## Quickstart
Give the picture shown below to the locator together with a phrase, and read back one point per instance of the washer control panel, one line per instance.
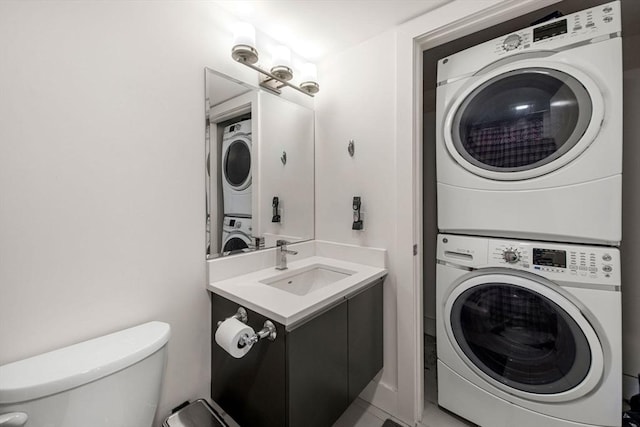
(556, 261)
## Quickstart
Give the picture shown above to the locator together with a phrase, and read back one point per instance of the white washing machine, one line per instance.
(529, 132)
(236, 235)
(529, 333)
(236, 169)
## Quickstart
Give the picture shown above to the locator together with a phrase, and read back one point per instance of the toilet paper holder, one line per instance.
(241, 315)
(268, 330)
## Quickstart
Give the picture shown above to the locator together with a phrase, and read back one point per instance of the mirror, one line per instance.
(259, 167)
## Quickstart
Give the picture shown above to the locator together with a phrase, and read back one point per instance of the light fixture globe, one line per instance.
(310, 87)
(309, 79)
(281, 58)
(282, 72)
(244, 53)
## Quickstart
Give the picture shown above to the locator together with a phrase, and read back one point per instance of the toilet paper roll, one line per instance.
(228, 337)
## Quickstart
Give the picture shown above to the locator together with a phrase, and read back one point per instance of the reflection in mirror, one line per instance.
(259, 168)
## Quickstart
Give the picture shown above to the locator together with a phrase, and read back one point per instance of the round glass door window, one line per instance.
(235, 245)
(521, 120)
(237, 164)
(520, 338)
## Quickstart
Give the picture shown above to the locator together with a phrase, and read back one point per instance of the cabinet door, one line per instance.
(365, 338)
(250, 389)
(317, 366)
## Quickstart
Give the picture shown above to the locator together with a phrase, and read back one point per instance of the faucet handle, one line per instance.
(281, 243)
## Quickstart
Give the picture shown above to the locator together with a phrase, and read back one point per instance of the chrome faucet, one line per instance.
(281, 254)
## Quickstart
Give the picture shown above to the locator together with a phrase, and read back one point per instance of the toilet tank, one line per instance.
(110, 381)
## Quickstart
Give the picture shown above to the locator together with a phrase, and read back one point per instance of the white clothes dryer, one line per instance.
(236, 235)
(529, 132)
(529, 333)
(236, 169)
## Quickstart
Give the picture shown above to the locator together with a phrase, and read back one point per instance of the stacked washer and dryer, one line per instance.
(236, 188)
(529, 169)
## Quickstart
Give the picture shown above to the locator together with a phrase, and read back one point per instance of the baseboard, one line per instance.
(381, 396)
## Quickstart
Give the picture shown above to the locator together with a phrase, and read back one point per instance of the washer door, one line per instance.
(236, 243)
(522, 121)
(236, 164)
(524, 337)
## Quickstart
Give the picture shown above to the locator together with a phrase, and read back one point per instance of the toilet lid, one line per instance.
(79, 364)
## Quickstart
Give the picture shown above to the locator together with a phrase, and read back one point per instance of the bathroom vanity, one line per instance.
(329, 343)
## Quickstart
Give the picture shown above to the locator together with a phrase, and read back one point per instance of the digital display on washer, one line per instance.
(550, 30)
(550, 257)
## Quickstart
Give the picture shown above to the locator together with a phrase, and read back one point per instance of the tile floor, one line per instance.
(362, 414)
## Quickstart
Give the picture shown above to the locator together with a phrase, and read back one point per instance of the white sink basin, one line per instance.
(305, 280)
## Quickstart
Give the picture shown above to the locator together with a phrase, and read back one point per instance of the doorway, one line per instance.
(430, 57)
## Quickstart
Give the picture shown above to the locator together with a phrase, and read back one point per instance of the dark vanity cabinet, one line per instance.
(310, 374)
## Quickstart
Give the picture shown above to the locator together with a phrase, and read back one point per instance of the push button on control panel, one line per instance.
(607, 268)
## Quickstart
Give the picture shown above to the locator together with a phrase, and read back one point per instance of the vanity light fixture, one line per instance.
(245, 52)
(244, 44)
(309, 78)
(282, 63)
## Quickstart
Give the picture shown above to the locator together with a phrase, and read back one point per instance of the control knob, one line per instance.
(511, 42)
(511, 256)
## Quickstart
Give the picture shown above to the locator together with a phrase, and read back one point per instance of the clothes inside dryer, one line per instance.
(236, 163)
(522, 120)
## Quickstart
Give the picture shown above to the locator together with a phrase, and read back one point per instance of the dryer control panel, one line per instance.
(580, 26)
(588, 26)
(556, 261)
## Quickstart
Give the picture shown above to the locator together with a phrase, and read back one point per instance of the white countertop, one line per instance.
(287, 308)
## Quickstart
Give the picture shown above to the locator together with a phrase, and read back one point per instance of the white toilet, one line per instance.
(110, 381)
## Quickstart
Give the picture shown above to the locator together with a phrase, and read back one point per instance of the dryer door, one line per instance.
(524, 337)
(523, 121)
(236, 164)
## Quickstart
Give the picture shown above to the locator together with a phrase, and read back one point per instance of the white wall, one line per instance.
(102, 178)
(357, 102)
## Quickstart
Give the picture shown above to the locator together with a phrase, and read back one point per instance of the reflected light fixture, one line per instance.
(244, 51)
